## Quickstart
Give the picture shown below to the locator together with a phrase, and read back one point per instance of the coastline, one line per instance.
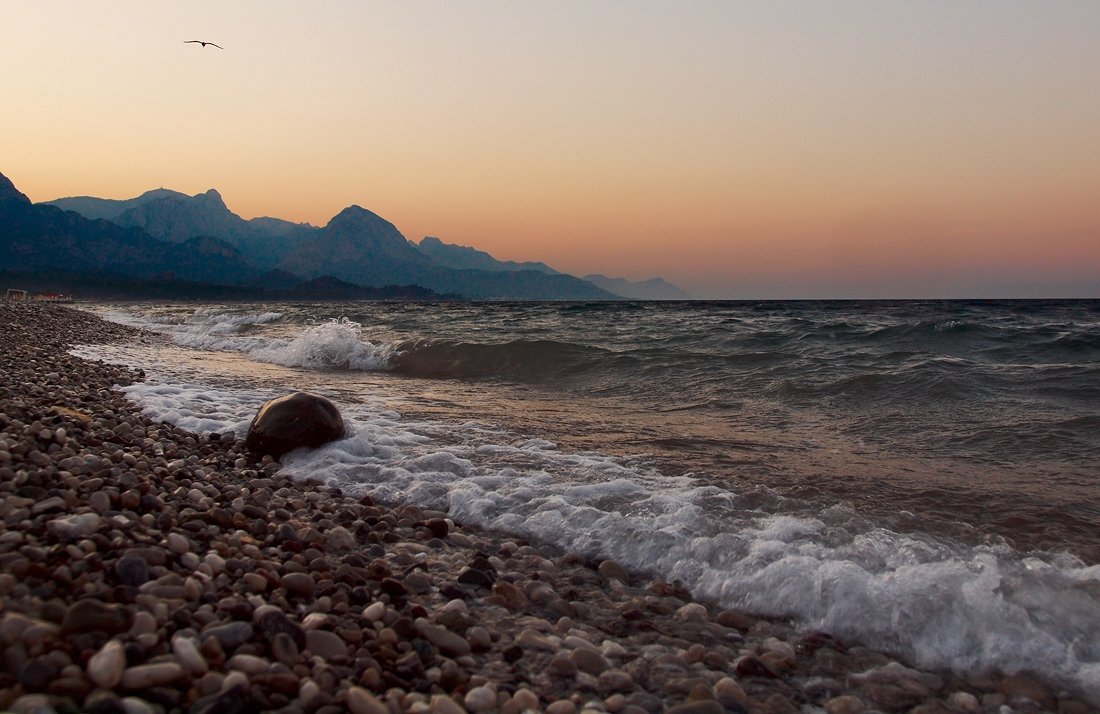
(225, 587)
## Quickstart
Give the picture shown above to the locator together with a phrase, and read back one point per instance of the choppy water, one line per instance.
(922, 476)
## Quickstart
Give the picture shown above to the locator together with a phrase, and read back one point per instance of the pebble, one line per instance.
(326, 645)
(105, 666)
(144, 676)
(588, 660)
(187, 652)
(481, 699)
(230, 635)
(299, 585)
(340, 538)
(360, 701)
(76, 526)
(693, 612)
(447, 641)
(248, 664)
(442, 704)
(90, 615)
(562, 706)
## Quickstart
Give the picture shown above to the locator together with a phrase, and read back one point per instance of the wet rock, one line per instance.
(294, 421)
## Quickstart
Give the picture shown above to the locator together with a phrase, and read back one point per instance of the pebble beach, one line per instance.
(146, 568)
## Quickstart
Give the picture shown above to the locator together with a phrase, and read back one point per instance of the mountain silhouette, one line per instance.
(176, 217)
(652, 289)
(361, 247)
(41, 237)
(356, 246)
(461, 257)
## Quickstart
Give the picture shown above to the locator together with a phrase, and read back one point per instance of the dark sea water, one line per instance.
(920, 476)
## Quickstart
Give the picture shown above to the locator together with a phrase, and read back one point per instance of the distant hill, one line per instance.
(361, 247)
(652, 289)
(177, 217)
(107, 208)
(357, 247)
(461, 257)
(42, 237)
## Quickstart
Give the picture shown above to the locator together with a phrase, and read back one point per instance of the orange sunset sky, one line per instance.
(738, 149)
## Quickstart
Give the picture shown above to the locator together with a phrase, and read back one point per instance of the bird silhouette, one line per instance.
(204, 44)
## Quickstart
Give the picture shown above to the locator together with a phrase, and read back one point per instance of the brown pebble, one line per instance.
(299, 585)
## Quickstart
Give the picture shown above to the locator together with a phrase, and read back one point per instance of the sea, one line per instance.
(922, 477)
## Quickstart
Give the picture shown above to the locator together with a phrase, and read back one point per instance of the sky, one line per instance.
(740, 149)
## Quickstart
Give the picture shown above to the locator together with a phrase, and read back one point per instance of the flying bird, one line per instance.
(204, 44)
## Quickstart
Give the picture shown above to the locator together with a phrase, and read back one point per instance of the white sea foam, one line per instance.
(334, 344)
(935, 602)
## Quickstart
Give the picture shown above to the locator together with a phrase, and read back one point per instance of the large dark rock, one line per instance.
(290, 422)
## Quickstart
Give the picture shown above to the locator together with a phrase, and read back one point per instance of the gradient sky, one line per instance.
(740, 149)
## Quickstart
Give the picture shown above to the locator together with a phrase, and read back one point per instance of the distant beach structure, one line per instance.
(17, 294)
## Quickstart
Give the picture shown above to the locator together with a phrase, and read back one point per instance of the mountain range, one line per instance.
(196, 239)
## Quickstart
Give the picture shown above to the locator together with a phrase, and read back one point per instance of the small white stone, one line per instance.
(964, 701)
(374, 611)
(692, 612)
(76, 526)
(340, 538)
(308, 689)
(189, 655)
(481, 699)
(178, 544)
(106, 666)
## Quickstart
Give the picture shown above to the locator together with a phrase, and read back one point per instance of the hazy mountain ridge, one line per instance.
(361, 247)
(462, 257)
(35, 237)
(652, 289)
(176, 217)
(356, 246)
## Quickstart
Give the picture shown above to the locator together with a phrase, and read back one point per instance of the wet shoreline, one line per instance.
(147, 568)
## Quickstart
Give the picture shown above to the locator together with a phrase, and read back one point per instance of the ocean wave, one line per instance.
(534, 360)
(938, 603)
(934, 601)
